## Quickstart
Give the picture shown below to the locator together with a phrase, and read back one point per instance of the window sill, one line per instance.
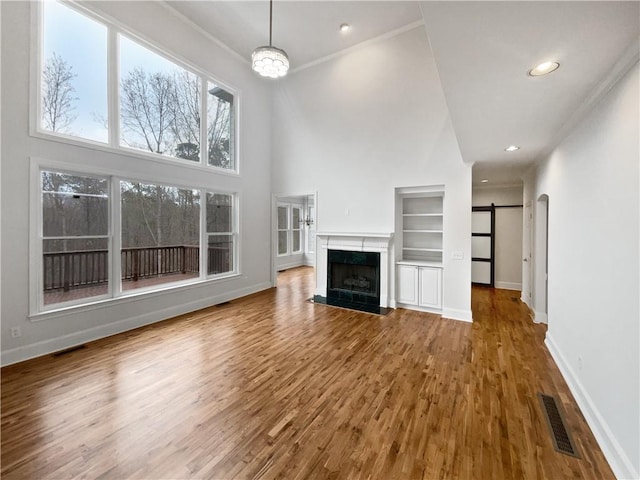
(130, 152)
(128, 297)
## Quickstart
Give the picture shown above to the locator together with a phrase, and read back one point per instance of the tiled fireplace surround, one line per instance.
(355, 242)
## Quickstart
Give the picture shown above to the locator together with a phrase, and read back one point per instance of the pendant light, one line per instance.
(270, 61)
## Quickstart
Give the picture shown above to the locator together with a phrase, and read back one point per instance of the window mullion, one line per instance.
(235, 228)
(204, 235)
(113, 93)
(204, 105)
(290, 230)
(115, 240)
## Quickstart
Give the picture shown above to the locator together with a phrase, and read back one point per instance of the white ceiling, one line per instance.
(483, 51)
(307, 30)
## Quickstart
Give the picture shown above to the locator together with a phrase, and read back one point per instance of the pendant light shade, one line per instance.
(270, 61)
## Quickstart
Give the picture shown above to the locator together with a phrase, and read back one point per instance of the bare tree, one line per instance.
(186, 114)
(219, 132)
(160, 112)
(57, 94)
(147, 113)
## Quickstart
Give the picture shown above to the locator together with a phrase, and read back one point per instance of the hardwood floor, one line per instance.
(272, 386)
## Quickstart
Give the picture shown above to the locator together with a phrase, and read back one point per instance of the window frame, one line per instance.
(204, 243)
(286, 229)
(41, 238)
(38, 310)
(114, 30)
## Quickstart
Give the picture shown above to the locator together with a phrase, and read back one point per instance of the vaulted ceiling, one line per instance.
(483, 51)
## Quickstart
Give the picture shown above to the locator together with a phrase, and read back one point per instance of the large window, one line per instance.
(158, 233)
(75, 236)
(162, 105)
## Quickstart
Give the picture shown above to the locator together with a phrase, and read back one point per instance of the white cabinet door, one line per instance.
(430, 283)
(407, 284)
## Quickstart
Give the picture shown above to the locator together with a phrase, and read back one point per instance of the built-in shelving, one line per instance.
(422, 227)
(419, 247)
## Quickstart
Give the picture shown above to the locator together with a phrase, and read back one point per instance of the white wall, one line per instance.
(253, 185)
(508, 232)
(356, 127)
(592, 182)
(500, 195)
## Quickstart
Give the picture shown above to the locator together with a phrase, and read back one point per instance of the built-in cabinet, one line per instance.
(419, 286)
(419, 234)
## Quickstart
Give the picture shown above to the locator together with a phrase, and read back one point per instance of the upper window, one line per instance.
(74, 74)
(220, 127)
(164, 108)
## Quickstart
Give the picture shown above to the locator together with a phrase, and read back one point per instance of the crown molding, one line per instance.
(358, 46)
(203, 32)
(628, 59)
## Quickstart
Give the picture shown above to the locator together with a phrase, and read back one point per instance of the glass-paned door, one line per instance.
(483, 245)
(283, 229)
(296, 231)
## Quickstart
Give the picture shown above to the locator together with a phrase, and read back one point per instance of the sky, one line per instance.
(82, 43)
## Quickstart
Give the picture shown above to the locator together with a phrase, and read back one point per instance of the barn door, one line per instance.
(483, 226)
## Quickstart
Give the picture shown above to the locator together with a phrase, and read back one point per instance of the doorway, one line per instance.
(293, 232)
(541, 286)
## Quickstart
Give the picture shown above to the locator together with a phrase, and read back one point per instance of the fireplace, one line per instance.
(352, 270)
(353, 279)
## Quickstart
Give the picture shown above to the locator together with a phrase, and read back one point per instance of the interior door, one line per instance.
(290, 242)
(483, 225)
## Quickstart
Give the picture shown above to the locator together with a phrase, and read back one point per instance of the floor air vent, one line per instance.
(561, 437)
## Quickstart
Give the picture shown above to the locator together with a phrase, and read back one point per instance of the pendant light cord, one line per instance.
(270, 19)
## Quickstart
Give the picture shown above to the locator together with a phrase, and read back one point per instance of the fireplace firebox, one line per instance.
(353, 280)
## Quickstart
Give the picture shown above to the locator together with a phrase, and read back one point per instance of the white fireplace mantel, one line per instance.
(355, 242)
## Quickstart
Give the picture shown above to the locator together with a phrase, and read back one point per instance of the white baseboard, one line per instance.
(45, 347)
(286, 266)
(508, 285)
(539, 317)
(417, 308)
(615, 455)
(455, 314)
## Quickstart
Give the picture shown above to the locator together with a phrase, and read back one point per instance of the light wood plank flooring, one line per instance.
(272, 386)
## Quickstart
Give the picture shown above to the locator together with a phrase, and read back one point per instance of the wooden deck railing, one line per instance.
(65, 270)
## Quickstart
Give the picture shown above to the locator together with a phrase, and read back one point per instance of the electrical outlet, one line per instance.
(16, 332)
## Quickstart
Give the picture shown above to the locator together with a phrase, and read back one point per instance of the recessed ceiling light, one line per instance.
(345, 27)
(484, 180)
(544, 68)
(512, 148)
